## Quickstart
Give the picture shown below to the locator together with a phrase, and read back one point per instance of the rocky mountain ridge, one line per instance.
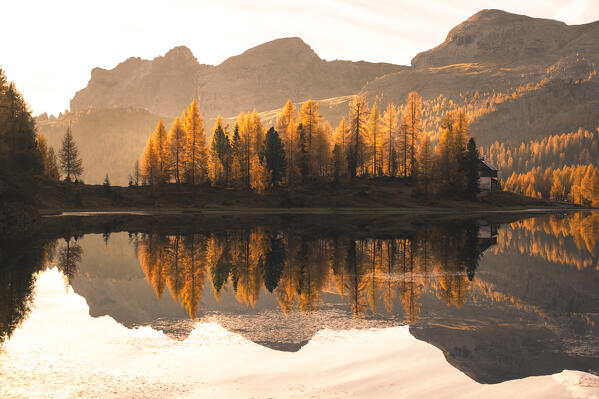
(517, 77)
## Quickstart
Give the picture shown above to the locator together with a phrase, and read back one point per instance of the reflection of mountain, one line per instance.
(510, 315)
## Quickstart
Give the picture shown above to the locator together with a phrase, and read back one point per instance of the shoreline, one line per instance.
(47, 213)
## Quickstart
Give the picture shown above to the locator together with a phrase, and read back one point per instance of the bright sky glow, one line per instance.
(50, 47)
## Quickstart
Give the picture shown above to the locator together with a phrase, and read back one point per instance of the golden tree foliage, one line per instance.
(298, 269)
(176, 144)
(374, 132)
(196, 154)
(287, 128)
(367, 145)
(389, 140)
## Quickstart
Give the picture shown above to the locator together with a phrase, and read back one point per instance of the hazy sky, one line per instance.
(49, 47)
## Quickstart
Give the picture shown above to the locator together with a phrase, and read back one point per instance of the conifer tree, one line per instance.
(237, 152)
(311, 119)
(244, 150)
(472, 166)
(257, 132)
(160, 141)
(322, 149)
(176, 145)
(304, 157)
(412, 119)
(261, 177)
(149, 164)
(70, 162)
(374, 133)
(49, 158)
(195, 145)
(425, 165)
(220, 155)
(358, 114)
(136, 173)
(18, 145)
(287, 129)
(389, 132)
(274, 155)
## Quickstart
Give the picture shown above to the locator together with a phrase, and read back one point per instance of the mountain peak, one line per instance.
(498, 37)
(287, 49)
(180, 52)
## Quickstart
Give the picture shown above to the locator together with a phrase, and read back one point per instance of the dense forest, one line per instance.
(561, 167)
(303, 147)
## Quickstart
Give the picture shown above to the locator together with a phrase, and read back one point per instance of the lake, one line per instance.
(304, 306)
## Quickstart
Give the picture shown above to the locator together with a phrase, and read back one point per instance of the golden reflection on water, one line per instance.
(62, 352)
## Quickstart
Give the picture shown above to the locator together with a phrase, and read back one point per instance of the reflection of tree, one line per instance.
(568, 240)
(274, 262)
(441, 259)
(69, 258)
(18, 266)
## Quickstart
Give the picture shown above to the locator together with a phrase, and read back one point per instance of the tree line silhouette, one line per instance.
(302, 147)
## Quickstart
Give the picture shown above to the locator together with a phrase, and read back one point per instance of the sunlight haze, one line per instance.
(79, 36)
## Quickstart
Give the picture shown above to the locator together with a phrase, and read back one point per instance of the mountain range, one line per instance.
(517, 77)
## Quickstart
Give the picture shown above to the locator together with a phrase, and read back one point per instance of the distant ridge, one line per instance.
(262, 77)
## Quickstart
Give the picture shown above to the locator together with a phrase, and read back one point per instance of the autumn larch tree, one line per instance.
(244, 150)
(374, 133)
(425, 164)
(195, 145)
(162, 151)
(358, 114)
(311, 119)
(389, 133)
(149, 164)
(70, 162)
(176, 144)
(412, 120)
(286, 126)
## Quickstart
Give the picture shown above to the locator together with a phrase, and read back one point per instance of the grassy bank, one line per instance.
(366, 195)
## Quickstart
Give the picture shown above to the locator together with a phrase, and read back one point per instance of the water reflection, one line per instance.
(502, 301)
(297, 268)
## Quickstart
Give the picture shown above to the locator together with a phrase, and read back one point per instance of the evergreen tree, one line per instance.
(274, 262)
(274, 154)
(472, 166)
(220, 152)
(18, 145)
(136, 174)
(304, 160)
(70, 162)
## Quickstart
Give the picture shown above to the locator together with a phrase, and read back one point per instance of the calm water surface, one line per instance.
(437, 308)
